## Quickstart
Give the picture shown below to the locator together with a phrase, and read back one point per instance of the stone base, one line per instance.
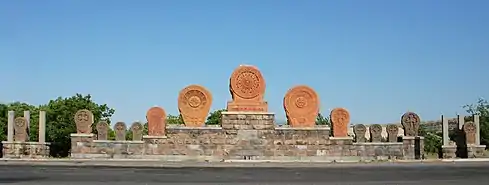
(81, 143)
(25, 150)
(247, 106)
(410, 147)
(449, 151)
(475, 151)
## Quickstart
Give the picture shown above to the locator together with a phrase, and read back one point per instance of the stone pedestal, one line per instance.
(25, 149)
(81, 144)
(413, 147)
(475, 151)
(449, 151)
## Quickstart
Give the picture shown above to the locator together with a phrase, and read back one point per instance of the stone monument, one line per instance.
(120, 131)
(360, 130)
(410, 122)
(340, 119)
(301, 104)
(392, 132)
(470, 131)
(194, 103)
(375, 133)
(84, 121)
(20, 129)
(247, 87)
(102, 130)
(18, 144)
(137, 131)
(156, 117)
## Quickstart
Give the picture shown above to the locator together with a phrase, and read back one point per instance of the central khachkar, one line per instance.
(247, 87)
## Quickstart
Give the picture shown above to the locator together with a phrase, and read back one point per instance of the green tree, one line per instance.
(432, 141)
(3, 122)
(321, 120)
(481, 108)
(171, 119)
(60, 120)
(214, 117)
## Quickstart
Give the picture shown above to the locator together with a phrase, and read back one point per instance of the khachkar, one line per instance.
(18, 144)
(340, 120)
(247, 88)
(414, 144)
(83, 120)
(467, 141)
(194, 104)
(301, 104)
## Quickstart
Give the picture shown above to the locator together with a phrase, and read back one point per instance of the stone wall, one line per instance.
(25, 149)
(242, 136)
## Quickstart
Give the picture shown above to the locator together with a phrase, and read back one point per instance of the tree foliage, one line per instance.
(481, 108)
(214, 117)
(321, 120)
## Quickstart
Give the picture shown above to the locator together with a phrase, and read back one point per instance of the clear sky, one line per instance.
(377, 58)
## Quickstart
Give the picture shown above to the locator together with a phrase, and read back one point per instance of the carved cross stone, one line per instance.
(470, 132)
(359, 130)
(392, 131)
(137, 131)
(120, 131)
(102, 130)
(375, 133)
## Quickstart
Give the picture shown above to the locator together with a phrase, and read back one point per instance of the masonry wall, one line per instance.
(249, 136)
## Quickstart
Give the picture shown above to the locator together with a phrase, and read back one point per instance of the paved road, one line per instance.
(395, 174)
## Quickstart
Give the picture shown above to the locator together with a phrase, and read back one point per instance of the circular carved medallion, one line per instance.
(247, 82)
(410, 118)
(20, 125)
(301, 100)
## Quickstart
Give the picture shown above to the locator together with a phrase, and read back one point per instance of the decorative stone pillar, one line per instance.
(448, 148)
(472, 135)
(10, 127)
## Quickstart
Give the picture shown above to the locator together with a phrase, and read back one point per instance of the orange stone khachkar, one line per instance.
(340, 118)
(301, 104)
(194, 103)
(156, 117)
(247, 88)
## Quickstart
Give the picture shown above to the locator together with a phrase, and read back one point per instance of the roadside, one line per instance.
(141, 163)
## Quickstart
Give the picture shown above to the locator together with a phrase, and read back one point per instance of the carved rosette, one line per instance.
(301, 104)
(247, 83)
(470, 132)
(84, 121)
(340, 118)
(359, 130)
(410, 123)
(20, 129)
(120, 131)
(194, 104)
(102, 130)
(156, 117)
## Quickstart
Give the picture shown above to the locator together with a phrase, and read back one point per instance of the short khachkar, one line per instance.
(340, 119)
(194, 104)
(102, 130)
(137, 131)
(84, 121)
(247, 87)
(120, 131)
(470, 130)
(156, 117)
(375, 133)
(301, 104)
(359, 130)
(20, 129)
(392, 132)
(410, 122)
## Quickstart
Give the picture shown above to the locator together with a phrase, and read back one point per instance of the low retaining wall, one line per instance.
(249, 136)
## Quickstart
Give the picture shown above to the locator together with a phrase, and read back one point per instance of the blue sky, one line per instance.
(377, 58)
